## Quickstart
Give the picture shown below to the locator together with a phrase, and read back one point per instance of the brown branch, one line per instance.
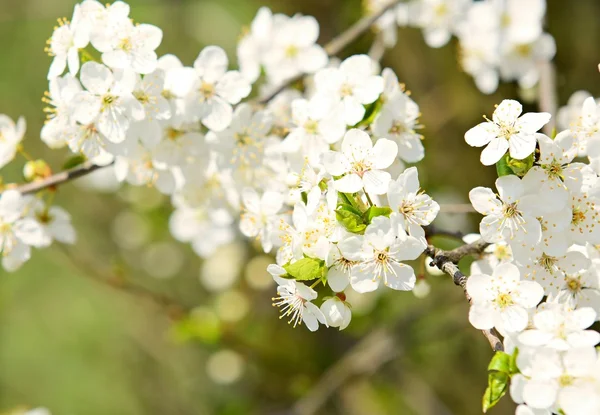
(84, 267)
(447, 261)
(57, 179)
(332, 48)
(337, 44)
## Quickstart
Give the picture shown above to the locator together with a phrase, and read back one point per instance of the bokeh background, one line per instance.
(78, 346)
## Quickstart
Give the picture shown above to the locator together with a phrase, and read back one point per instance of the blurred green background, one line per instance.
(81, 347)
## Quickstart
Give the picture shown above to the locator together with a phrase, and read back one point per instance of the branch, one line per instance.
(57, 179)
(337, 44)
(332, 48)
(174, 309)
(447, 260)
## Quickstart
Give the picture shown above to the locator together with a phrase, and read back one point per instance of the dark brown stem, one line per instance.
(337, 44)
(447, 261)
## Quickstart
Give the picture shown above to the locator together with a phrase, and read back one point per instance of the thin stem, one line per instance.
(447, 260)
(337, 44)
(369, 199)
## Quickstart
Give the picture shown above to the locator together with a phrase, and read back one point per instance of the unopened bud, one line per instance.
(36, 170)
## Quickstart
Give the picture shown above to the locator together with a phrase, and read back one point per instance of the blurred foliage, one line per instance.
(80, 347)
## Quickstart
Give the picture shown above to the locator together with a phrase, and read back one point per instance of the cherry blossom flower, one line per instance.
(337, 312)
(11, 135)
(294, 300)
(353, 84)
(412, 207)
(382, 250)
(507, 131)
(502, 299)
(361, 163)
(261, 217)
(512, 216)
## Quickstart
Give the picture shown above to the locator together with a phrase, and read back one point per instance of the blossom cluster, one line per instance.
(498, 39)
(538, 283)
(308, 174)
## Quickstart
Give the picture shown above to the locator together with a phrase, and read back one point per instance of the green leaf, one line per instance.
(306, 269)
(520, 167)
(512, 367)
(497, 387)
(502, 167)
(74, 161)
(371, 111)
(500, 362)
(508, 165)
(349, 208)
(350, 220)
(375, 211)
(348, 199)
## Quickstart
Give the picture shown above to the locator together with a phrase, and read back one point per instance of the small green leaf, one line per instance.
(375, 211)
(520, 167)
(497, 387)
(349, 208)
(502, 167)
(348, 199)
(351, 221)
(512, 367)
(74, 161)
(306, 269)
(500, 362)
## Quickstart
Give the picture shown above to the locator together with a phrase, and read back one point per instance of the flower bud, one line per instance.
(337, 313)
(36, 170)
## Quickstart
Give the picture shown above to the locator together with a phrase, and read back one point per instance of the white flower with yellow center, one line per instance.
(294, 301)
(210, 88)
(353, 84)
(361, 163)
(59, 113)
(511, 217)
(67, 39)
(502, 299)
(108, 101)
(380, 253)
(11, 135)
(412, 208)
(507, 131)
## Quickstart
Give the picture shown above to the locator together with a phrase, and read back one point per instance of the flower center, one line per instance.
(291, 51)
(502, 252)
(554, 170)
(142, 97)
(360, 167)
(346, 90)
(125, 44)
(565, 380)
(523, 50)
(107, 101)
(398, 128)
(243, 139)
(574, 284)
(509, 210)
(311, 127)
(547, 262)
(207, 90)
(504, 300)
(578, 217)
(173, 134)
(290, 304)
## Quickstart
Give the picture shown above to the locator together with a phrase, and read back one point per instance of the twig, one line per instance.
(332, 48)
(174, 309)
(57, 179)
(547, 94)
(447, 260)
(337, 44)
